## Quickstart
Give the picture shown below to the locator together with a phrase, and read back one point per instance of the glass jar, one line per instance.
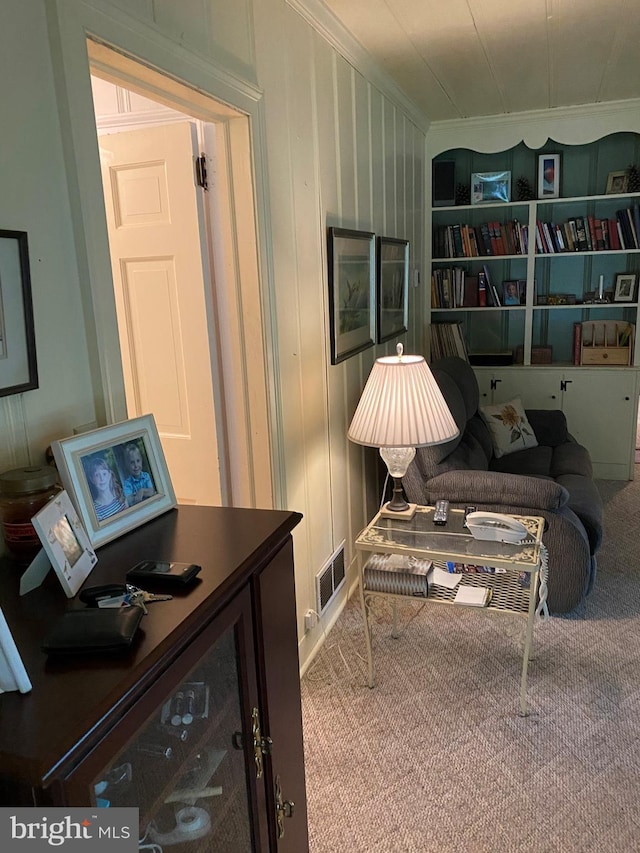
(23, 491)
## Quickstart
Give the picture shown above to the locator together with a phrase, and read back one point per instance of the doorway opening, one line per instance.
(177, 253)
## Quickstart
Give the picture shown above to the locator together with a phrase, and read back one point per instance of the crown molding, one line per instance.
(322, 19)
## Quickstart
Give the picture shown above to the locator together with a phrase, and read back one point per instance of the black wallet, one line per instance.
(107, 629)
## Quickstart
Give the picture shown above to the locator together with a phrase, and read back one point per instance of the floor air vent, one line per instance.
(330, 579)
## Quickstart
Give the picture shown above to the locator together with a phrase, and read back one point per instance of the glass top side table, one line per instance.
(419, 537)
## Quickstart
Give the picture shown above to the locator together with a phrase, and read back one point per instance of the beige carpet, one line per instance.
(436, 757)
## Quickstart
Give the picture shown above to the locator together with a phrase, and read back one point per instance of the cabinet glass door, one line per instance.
(183, 754)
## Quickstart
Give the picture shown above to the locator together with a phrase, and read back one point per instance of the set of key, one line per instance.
(120, 595)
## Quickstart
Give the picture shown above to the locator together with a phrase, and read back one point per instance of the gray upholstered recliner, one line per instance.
(553, 480)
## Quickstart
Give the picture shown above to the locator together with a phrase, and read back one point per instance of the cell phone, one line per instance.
(163, 571)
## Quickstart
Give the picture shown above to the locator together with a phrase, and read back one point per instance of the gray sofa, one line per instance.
(553, 480)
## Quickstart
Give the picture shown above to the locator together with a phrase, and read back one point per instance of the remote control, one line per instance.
(441, 512)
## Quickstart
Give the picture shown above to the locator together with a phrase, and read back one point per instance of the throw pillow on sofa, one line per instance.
(509, 427)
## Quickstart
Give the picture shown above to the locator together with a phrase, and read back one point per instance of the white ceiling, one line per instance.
(461, 58)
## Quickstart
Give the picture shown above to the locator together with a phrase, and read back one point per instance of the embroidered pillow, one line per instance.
(509, 427)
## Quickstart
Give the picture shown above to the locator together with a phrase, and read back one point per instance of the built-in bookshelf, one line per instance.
(517, 276)
(544, 291)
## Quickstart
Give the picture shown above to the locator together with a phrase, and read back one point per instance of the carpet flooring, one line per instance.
(436, 757)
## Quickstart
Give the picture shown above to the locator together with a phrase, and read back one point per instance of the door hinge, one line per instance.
(201, 172)
(261, 745)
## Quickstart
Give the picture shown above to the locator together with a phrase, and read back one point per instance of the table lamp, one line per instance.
(401, 408)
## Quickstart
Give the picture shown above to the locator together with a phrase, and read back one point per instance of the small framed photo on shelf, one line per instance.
(513, 292)
(617, 182)
(352, 285)
(625, 287)
(393, 287)
(549, 176)
(490, 187)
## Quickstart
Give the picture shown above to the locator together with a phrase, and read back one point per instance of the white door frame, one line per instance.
(246, 348)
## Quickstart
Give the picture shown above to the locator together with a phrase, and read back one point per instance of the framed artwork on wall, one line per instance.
(18, 366)
(549, 176)
(116, 477)
(393, 288)
(352, 316)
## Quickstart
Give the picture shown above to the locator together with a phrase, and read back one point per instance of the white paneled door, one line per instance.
(157, 246)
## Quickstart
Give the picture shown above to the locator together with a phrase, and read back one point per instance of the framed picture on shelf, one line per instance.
(352, 316)
(549, 176)
(490, 187)
(625, 287)
(617, 182)
(18, 367)
(514, 292)
(116, 476)
(393, 288)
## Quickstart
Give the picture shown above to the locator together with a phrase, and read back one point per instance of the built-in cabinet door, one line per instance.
(279, 667)
(601, 410)
(183, 753)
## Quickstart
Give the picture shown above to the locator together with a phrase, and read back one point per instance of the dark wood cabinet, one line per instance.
(199, 725)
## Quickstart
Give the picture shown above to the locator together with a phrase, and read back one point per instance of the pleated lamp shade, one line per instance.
(402, 406)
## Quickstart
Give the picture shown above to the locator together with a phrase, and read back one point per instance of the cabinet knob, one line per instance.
(553, 396)
(627, 398)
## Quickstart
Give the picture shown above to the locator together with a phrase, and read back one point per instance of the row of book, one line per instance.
(454, 287)
(446, 340)
(490, 238)
(591, 234)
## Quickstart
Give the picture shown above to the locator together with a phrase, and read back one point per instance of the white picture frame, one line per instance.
(98, 460)
(549, 175)
(65, 542)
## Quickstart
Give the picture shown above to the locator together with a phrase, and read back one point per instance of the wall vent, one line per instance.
(329, 579)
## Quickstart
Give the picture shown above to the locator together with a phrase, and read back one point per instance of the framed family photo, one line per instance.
(352, 316)
(116, 477)
(18, 366)
(393, 288)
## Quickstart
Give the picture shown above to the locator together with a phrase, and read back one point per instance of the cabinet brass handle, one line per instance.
(284, 808)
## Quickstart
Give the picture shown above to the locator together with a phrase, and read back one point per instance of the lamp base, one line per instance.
(404, 514)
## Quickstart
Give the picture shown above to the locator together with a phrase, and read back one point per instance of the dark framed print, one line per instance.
(351, 261)
(18, 366)
(116, 477)
(393, 287)
(549, 176)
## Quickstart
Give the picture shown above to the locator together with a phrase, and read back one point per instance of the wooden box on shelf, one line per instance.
(607, 342)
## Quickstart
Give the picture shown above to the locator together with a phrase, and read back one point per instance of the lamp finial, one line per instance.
(399, 350)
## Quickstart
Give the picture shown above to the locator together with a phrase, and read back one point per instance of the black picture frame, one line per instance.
(392, 299)
(18, 362)
(352, 315)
